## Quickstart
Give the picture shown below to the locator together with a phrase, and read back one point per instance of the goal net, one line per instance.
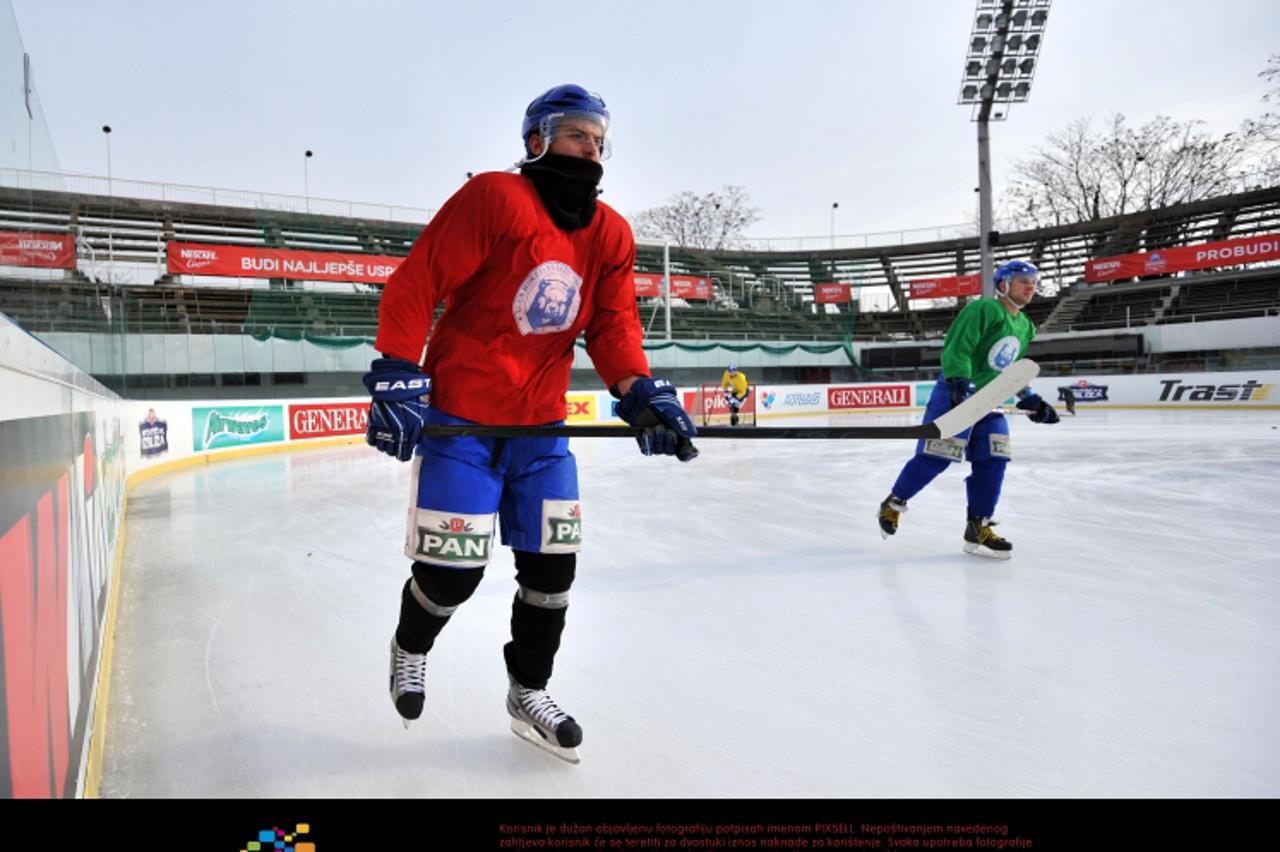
(711, 409)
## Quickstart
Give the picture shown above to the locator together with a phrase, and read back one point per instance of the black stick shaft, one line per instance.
(926, 430)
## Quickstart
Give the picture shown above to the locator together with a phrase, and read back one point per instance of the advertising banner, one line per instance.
(581, 408)
(832, 293)
(1184, 258)
(687, 287)
(153, 435)
(253, 262)
(940, 288)
(328, 419)
(844, 398)
(792, 399)
(713, 403)
(32, 248)
(236, 426)
(59, 513)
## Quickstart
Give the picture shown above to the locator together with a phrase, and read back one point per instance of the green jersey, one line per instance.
(983, 340)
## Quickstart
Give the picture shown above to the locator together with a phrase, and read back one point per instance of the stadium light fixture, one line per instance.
(306, 178)
(998, 69)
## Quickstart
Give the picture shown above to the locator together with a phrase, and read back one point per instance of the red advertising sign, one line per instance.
(252, 262)
(1184, 258)
(941, 288)
(687, 287)
(31, 248)
(832, 293)
(323, 420)
(861, 396)
(713, 403)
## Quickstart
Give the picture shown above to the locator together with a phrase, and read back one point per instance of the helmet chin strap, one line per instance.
(1007, 293)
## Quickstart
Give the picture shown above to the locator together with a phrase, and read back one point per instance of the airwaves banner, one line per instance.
(29, 248)
(1184, 258)
(687, 287)
(251, 262)
(941, 288)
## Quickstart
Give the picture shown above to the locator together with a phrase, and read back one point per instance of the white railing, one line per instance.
(189, 194)
(856, 241)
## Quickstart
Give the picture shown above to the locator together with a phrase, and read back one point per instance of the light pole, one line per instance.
(106, 133)
(111, 260)
(306, 179)
(834, 205)
(999, 67)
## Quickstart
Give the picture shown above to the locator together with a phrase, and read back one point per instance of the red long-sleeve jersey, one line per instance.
(518, 291)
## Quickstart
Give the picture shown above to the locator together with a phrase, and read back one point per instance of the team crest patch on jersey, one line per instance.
(951, 449)
(1004, 352)
(548, 299)
(448, 538)
(561, 526)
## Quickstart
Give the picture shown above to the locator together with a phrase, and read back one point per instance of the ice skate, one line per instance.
(408, 682)
(890, 510)
(981, 540)
(536, 718)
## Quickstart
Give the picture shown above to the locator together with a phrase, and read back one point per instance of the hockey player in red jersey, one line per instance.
(524, 264)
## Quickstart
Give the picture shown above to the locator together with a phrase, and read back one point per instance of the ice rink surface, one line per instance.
(738, 627)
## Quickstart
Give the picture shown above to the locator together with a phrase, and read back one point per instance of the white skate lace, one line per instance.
(538, 705)
(411, 672)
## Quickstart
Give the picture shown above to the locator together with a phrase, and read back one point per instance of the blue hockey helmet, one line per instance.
(733, 368)
(1011, 269)
(559, 102)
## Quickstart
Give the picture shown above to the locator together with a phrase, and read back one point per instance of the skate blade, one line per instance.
(979, 550)
(525, 731)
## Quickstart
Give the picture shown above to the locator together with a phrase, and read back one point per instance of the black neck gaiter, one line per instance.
(567, 187)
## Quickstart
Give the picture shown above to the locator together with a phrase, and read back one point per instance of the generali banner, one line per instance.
(1184, 258)
(868, 396)
(832, 293)
(31, 248)
(327, 419)
(941, 288)
(687, 287)
(252, 262)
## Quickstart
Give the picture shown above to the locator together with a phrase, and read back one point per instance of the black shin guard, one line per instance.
(538, 615)
(429, 598)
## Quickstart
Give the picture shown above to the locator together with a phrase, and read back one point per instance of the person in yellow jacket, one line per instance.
(734, 385)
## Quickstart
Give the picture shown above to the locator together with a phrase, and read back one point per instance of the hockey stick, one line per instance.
(1015, 377)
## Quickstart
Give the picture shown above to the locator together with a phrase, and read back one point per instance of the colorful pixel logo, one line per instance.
(275, 840)
(768, 399)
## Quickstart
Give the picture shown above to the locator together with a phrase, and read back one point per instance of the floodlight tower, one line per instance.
(1004, 50)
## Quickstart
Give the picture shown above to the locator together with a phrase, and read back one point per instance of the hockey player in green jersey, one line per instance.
(986, 337)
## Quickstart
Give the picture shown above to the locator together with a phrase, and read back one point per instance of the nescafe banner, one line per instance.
(1184, 258)
(252, 262)
(31, 248)
(941, 288)
(687, 287)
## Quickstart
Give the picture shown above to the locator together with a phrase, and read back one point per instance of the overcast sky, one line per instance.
(802, 103)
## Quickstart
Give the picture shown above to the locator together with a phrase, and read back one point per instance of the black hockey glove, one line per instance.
(960, 390)
(1041, 411)
(652, 405)
(399, 407)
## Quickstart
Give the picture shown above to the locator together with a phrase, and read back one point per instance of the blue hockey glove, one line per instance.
(397, 412)
(960, 390)
(652, 405)
(1041, 411)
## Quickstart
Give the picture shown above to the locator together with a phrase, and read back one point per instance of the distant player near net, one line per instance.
(525, 263)
(986, 336)
(734, 384)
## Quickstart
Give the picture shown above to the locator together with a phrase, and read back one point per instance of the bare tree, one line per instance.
(712, 221)
(1080, 175)
(1268, 127)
